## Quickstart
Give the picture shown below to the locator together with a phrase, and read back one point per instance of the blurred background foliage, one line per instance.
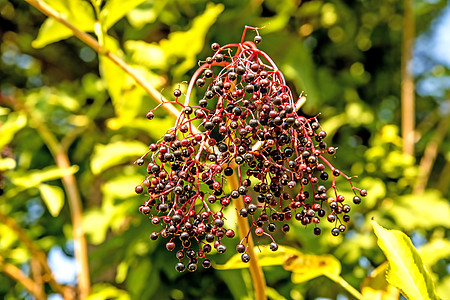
(344, 55)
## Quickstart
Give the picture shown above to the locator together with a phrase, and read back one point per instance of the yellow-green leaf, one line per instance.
(114, 10)
(7, 164)
(14, 123)
(53, 197)
(375, 285)
(435, 250)
(35, 177)
(410, 214)
(305, 267)
(187, 44)
(102, 291)
(405, 270)
(150, 55)
(79, 13)
(106, 156)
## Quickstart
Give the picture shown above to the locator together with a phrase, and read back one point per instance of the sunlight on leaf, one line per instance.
(187, 44)
(103, 291)
(302, 266)
(114, 10)
(53, 197)
(9, 237)
(127, 96)
(305, 267)
(405, 270)
(34, 177)
(79, 13)
(409, 212)
(120, 186)
(122, 271)
(151, 55)
(273, 294)
(146, 13)
(375, 285)
(106, 156)
(14, 123)
(95, 225)
(7, 164)
(434, 251)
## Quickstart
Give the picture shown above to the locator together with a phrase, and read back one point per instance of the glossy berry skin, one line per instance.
(245, 257)
(180, 267)
(177, 93)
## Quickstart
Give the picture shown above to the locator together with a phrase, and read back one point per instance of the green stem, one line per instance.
(343, 283)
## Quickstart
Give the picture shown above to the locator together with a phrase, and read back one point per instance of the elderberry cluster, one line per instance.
(249, 127)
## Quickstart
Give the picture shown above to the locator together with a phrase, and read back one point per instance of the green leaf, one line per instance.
(273, 294)
(434, 251)
(119, 187)
(95, 225)
(146, 13)
(122, 271)
(409, 213)
(187, 44)
(114, 10)
(51, 31)
(150, 55)
(405, 270)
(77, 12)
(126, 95)
(138, 278)
(14, 123)
(53, 197)
(106, 156)
(36, 177)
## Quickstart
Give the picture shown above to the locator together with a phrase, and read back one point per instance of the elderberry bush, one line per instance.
(249, 127)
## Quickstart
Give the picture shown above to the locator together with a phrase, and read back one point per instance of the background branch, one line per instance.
(73, 196)
(39, 256)
(407, 87)
(429, 156)
(19, 276)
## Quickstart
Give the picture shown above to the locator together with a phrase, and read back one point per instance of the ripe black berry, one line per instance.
(245, 257)
(221, 249)
(180, 267)
(206, 263)
(192, 267)
(356, 200)
(335, 231)
(177, 93)
(273, 246)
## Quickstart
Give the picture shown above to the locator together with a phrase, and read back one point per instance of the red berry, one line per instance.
(259, 231)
